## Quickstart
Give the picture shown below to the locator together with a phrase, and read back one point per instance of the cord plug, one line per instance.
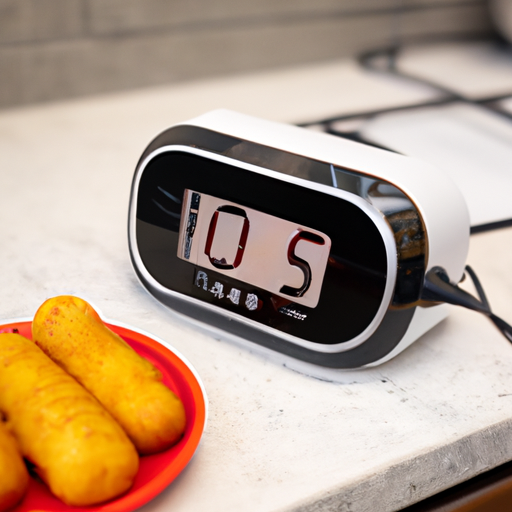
(438, 288)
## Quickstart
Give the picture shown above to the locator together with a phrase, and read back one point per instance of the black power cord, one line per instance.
(438, 288)
(385, 60)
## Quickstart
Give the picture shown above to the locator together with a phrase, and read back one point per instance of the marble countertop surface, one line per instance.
(276, 440)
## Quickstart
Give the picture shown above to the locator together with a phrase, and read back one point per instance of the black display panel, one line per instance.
(355, 274)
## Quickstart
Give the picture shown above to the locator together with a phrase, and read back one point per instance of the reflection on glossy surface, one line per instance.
(406, 224)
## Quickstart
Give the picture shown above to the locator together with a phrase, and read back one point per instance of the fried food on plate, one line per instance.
(14, 474)
(78, 449)
(71, 333)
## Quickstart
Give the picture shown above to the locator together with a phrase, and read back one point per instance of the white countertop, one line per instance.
(276, 440)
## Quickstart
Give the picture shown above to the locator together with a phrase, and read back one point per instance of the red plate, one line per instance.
(157, 471)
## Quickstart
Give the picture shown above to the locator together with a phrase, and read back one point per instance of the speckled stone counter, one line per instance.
(276, 440)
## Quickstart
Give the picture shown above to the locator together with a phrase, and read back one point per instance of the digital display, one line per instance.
(274, 253)
(279, 256)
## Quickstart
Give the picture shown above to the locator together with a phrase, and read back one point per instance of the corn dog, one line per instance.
(14, 474)
(78, 449)
(71, 333)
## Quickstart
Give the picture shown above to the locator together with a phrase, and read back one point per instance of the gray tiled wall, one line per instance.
(51, 49)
